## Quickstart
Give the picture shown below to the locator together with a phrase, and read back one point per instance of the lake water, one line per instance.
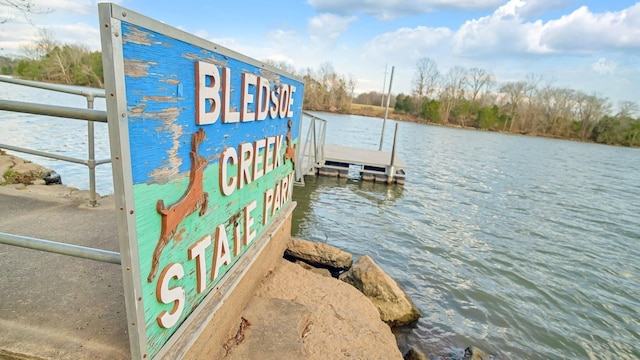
(525, 247)
(59, 136)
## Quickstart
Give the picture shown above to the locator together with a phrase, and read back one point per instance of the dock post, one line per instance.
(386, 110)
(392, 168)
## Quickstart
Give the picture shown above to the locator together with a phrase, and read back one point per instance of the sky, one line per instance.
(587, 45)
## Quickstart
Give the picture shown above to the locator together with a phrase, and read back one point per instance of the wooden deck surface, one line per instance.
(361, 156)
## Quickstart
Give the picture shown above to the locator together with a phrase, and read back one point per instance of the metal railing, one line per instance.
(312, 154)
(87, 114)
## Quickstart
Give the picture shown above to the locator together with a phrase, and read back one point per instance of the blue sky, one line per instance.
(588, 45)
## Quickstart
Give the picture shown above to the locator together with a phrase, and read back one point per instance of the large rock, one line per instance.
(395, 307)
(415, 354)
(270, 327)
(14, 170)
(319, 255)
(473, 353)
(297, 314)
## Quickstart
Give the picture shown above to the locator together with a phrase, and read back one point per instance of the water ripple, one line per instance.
(518, 245)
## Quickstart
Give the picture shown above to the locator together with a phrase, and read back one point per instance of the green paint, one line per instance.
(221, 209)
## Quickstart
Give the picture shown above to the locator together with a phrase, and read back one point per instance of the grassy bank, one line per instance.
(378, 111)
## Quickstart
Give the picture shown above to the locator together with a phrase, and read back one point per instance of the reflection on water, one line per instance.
(362, 195)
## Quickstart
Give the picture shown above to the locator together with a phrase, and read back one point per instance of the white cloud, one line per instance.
(410, 42)
(604, 66)
(584, 31)
(79, 34)
(533, 8)
(280, 36)
(499, 34)
(506, 32)
(325, 29)
(389, 9)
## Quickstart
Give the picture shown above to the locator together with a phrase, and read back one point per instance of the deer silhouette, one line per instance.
(290, 152)
(194, 198)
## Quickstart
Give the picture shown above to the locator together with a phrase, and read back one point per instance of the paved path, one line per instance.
(56, 306)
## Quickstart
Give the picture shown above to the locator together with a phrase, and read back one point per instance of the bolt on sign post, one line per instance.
(203, 146)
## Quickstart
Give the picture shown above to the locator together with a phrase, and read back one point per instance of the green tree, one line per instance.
(431, 111)
(489, 118)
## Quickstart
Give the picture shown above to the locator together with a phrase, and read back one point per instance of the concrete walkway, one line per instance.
(55, 306)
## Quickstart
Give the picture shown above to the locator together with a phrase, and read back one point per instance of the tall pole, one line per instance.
(386, 110)
(383, 84)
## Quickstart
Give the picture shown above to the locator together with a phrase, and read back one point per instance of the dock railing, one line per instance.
(89, 114)
(312, 153)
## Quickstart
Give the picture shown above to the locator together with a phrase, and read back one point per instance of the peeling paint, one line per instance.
(170, 171)
(137, 36)
(137, 68)
(211, 59)
(160, 98)
(179, 235)
(137, 110)
(270, 75)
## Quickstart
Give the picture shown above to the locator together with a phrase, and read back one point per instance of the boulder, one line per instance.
(14, 170)
(473, 353)
(393, 304)
(415, 354)
(332, 320)
(315, 270)
(52, 177)
(270, 327)
(319, 255)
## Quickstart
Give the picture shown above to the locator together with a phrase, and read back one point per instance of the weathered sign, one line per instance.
(203, 142)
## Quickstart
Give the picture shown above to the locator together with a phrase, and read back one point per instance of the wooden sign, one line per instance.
(203, 142)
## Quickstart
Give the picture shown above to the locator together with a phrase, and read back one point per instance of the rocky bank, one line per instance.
(15, 170)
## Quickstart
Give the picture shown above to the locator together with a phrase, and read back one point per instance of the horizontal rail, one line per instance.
(54, 110)
(54, 87)
(43, 154)
(103, 161)
(61, 248)
(52, 156)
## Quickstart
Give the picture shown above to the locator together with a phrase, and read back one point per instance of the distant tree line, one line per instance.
(47, 60)
(472, 98)
(325, 90)
(459, 97)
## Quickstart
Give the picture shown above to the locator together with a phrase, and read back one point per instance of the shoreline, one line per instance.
(378, 112)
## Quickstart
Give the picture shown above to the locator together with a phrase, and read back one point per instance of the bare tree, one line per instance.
(43, 46)
(479, 80)
(514, 93)
(454, 83)
(529, 119)
(25, 7)
(282, 65)
(589, 110)
(628, 109)
(351, 88)
(426, 77)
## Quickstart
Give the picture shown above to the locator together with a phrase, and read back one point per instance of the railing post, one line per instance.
(312, 125)
(392, 167)
(91, 162)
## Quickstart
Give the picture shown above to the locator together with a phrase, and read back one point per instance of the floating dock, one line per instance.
(368, 165)
(317, 158)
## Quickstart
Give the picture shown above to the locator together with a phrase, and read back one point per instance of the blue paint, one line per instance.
(170, 60)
